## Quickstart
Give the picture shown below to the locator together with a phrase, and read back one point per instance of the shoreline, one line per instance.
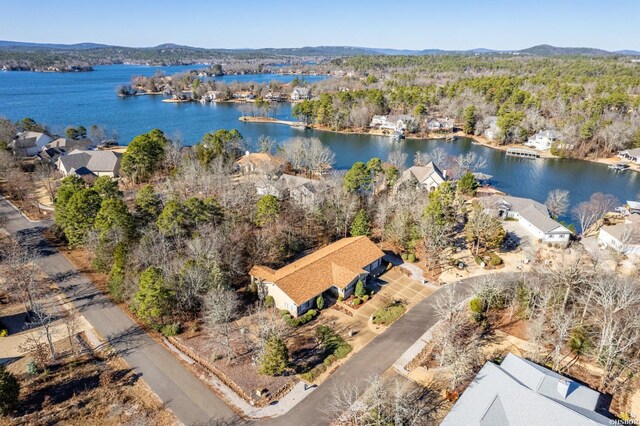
(477, 140)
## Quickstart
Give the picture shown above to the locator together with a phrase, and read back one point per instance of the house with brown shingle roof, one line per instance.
(333, 269)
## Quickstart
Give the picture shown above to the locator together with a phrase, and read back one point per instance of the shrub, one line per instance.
(477, 305)
(365, 297)
(329, 360)
(356, 302)
(169, 330)
(340, 298)
(411, 257)
(9, 392)
(269, 302)
(342, 350)
(359, 292)
(302, 319)
(320, 302)
(32, 367)
(387, 315)
(313, 374)
(495, 260)
(478, 260)
(404, 256)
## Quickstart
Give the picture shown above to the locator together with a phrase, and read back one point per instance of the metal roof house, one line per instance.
(519, 392)
(534, 216)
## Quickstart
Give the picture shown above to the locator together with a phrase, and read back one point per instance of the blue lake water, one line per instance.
(61, 99)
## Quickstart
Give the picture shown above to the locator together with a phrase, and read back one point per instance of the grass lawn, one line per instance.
(387, 315)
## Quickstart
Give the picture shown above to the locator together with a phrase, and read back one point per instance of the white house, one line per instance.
(395, 123)
(519, 392)
(82, 163)
(334, 269)
(29, 144)
(623, 237)
(632, 155)
(533, 215)
(300, 93)
(428, 176)
(441, 125)
(542, 140)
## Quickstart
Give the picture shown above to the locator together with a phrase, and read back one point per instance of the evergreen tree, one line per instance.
(154, 297)
(469, 117)
(268, 209)
(360, 224)
(68, 187)
(79, 215)
(143, 155)
(357, 178)
(106, 187)
(359, 291)
(467, 184)
(117, 273)
(114, 216)
(9, 392)
(148, 205)
(275, 357)
(174, 220)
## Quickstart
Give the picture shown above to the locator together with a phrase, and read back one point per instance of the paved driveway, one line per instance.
(189, 399)
(373, 360)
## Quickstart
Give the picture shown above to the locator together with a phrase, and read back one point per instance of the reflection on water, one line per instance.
(61, 99)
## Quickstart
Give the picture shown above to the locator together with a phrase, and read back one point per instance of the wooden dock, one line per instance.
(522, 153)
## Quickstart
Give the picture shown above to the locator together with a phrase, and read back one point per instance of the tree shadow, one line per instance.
(127, 341)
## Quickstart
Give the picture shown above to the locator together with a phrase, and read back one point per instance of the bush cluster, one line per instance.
(302, 319)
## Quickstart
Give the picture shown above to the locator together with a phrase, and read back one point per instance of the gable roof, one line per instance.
(532, 211)
(422, 173)
(70, 144)
(519, 392)
(337, 264)
(262, 161)
(96, 161)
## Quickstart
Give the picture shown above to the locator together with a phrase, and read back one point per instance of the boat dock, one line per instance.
(522, 153)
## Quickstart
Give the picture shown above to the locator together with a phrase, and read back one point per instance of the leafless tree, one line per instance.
(43, 318)
(308, 155)
(221, 308)
(589, 212)
(557, 202)
(397, 158)
(71, 319)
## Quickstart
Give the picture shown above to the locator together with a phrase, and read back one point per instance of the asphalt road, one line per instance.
(373, 360)
(189, 399)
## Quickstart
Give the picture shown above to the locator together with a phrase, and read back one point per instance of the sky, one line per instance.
(400, 24)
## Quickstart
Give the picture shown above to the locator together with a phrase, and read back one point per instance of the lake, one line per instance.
(61, 99)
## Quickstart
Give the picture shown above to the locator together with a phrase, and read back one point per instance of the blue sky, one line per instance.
(408, 24)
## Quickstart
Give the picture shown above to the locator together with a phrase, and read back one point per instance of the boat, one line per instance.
(396, 136)
(300, 125)
(619, 167)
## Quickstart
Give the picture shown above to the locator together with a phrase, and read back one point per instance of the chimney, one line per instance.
(563, 387)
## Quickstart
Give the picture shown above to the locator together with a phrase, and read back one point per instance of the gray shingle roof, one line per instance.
(96, 161)
(519, 392)
(422, 173)
(532, 211)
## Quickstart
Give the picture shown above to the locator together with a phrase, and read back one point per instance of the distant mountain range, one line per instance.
(540, 50)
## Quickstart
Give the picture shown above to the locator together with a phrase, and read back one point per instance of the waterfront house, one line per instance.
(395, 123)
(68, 145)
(275, 97)
(632, 155)
(212, 96)
(518, 392)
(543, 140)
(244, 95)
(28, 144)
(332, 270)
(260, 163)
(441, 125)
(622, 237)
(532, 215)
(98, 163)
(300, 93)
(428, 177)
(492, 131)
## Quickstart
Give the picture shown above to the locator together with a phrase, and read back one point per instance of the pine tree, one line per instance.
(9, 392)
(359, 292)
(153, 299)
(360, 224)
(275, 357)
